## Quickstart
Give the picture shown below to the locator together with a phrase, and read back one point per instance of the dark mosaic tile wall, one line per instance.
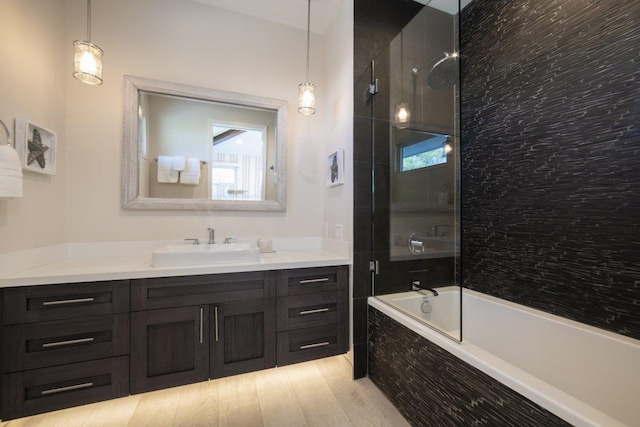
(430, 387)
(551, 157)
(376, 23)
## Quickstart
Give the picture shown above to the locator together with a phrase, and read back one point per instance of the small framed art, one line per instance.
(335, 168)
(36, 146)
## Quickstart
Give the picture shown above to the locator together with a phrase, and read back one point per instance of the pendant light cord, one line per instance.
(89, 20)
(308, 36)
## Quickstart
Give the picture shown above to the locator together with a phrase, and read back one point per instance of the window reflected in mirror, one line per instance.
(237, 165)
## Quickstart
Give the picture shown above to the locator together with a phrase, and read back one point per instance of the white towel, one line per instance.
(166, 173)
(191, 174)
(10, 173)
(179, 163)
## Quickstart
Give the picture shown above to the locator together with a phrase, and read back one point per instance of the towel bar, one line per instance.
(202, 162)
(7, 131)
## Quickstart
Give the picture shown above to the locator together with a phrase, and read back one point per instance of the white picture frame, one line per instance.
(335, 168)
(37, 156)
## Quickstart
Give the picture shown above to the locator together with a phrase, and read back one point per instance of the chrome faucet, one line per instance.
(211, 235)
(416, 286)
(195, 241)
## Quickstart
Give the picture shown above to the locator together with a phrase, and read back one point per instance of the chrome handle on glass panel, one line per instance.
(323, 279)
(317, 310)
(201, 324)
(68, 301)
(68, 388)
(68, 342)
(215, 310)
(320, 344)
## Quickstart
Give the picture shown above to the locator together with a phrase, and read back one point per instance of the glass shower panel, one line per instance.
(416, 237)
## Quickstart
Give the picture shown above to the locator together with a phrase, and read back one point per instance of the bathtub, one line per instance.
(584, 375)
(444, 314)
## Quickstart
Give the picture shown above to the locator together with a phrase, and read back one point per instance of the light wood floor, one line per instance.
(318, 393)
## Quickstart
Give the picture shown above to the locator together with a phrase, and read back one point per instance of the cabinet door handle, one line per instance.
(69, 301)
(68, 342)
(201, 324)
(322, 279)
(68, 388)
(317, 310)
(319, 344)
(215, 313)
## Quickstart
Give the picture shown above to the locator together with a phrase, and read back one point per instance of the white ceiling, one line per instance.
(293, 13)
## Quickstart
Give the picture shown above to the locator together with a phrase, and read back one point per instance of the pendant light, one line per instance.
(88, 57)
(402, 116)
(306, 90)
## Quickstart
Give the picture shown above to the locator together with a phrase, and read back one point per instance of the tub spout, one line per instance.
(416, 286)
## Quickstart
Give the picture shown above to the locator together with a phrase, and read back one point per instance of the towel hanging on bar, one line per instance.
(10, 169)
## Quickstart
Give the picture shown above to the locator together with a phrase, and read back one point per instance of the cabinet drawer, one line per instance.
(167, 292)
(53, 302)
(312, 343)
(305, 281)
(37, 345)
(42, 390)
(305, 311)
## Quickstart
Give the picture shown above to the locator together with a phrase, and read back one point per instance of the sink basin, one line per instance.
(204, 254)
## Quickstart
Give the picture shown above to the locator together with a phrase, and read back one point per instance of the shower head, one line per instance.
(444, 73)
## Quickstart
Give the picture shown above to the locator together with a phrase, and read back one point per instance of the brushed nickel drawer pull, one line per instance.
(68, 388)
(69, 342)
(215, 309)
(322, 279)
(201, 324)
(320, 344)
(69, 301)
(317, 310)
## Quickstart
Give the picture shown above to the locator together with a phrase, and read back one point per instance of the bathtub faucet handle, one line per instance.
(416, 286)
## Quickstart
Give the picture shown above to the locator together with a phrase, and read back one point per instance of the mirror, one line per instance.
(192, 148)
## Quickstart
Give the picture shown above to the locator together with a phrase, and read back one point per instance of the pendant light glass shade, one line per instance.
(403, 116)
(87, 63)
(87, 58)
(306, 90)
(306, 99)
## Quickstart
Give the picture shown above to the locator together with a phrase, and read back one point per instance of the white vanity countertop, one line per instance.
(74, 269)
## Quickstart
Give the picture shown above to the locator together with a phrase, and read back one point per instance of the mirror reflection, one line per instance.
(191, 149)
(196, 148)
(422, 195)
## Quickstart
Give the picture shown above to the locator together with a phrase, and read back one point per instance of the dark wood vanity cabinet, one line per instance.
(313, 313)
(63, 345)
(72, 344)
(230, 331)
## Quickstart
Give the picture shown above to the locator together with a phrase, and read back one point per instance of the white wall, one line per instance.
(196, 44)
(33, 49)
(186, 42)
(337, 105)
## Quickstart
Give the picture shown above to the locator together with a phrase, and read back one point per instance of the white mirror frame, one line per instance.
(130, 167)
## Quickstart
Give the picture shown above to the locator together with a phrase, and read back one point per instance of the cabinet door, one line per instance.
(243, 337)
(169, 348)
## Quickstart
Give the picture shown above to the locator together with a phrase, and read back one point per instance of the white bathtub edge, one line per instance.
(555, 401)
